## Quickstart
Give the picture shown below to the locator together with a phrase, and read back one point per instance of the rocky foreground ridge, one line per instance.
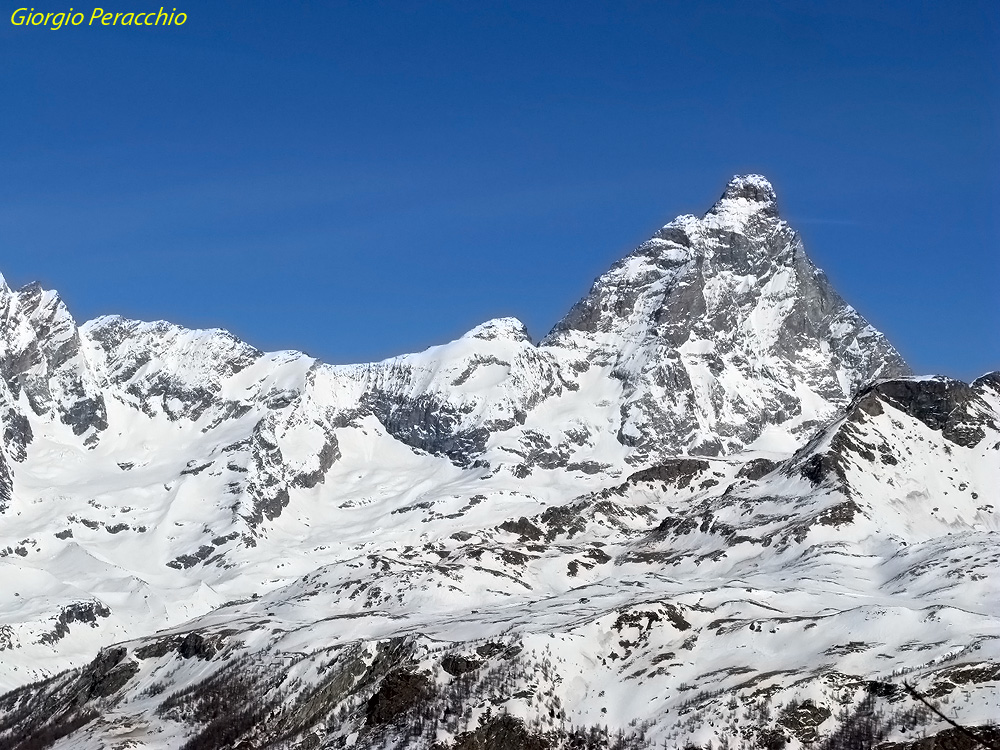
(712, 505)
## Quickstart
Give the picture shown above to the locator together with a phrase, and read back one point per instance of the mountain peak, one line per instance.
(747, 193)
(499, 328)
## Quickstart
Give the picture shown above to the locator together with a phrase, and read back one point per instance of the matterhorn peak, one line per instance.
(747, 194)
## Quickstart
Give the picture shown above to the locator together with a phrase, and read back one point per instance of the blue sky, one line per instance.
(358, 180)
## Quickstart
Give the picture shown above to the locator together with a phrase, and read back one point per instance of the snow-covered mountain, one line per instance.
(710, 505)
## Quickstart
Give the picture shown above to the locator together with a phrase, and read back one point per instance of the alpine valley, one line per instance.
(712, 507)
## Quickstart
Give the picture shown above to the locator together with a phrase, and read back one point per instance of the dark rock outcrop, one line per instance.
(678, 472)
(940, 403)
(401, 690)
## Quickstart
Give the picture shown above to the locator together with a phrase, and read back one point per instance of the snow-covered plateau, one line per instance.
(711, 506)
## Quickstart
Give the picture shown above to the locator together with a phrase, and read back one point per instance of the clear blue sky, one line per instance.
(362, 179)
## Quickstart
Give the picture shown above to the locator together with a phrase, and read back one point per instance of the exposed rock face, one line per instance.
(501, 733)
(400, 692)
(942, 404)
(81, 612)
(106, 675)
(42, 359)
(679, 471)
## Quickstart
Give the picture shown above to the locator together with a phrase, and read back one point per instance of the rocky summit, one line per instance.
(711, 507)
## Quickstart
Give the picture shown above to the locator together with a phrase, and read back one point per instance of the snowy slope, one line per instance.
(686, 512)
